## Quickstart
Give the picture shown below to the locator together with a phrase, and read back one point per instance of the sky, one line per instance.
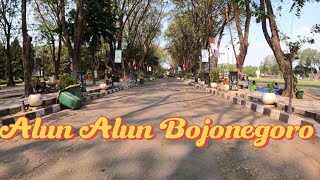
(288, 23)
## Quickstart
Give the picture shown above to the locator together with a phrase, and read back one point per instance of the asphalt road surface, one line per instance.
(160, 158)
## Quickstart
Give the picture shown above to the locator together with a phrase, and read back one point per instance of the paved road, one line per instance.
(160, 158)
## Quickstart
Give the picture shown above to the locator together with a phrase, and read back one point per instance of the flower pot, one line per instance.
(214, 85)
(103, 86)
(226, 88)
(269, 98)
(35, 100)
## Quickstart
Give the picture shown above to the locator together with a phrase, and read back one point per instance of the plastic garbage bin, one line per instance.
(69, 100)
(75, 90)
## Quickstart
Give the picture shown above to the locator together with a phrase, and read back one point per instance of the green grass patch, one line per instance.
(4, 82)
(281, 81)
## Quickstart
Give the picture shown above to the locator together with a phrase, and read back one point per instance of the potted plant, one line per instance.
(35, 100)
(269, 98)
(103, 86)
(214, 76)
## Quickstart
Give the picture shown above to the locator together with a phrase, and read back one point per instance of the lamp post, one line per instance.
(290, 109)
(209, 83)
(291, 88)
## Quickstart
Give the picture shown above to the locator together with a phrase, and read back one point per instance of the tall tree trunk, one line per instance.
(78, 32)
(67, 40)
(53, 54)
(58, 61)
(243, 36)
(274, 43)
(26, 56)
(8, 59)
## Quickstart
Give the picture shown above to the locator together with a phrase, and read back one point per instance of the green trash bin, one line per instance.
(74, 89)
(299, 94)
(69, 100)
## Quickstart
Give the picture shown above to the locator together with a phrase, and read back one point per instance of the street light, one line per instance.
(209, 83)
(291, 89)
(290, 109)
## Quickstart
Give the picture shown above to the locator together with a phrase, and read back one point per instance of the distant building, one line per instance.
(227, 56)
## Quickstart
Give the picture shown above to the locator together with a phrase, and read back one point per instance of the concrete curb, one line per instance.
(17, 108)
(56, 107)
(273, 113)
(282, 106)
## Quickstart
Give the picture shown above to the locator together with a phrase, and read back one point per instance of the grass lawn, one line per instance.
(281, 81)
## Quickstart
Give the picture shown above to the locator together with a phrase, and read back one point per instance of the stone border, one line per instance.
(51, 101)
(18, 108)
(283, 107)
(57, 107)
(273, 113)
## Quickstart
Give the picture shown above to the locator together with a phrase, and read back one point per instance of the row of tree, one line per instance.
(84, 32)
(194, 22)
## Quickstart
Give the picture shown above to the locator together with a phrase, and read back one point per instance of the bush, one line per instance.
(201, 75)
(189, 76)
(141, 75)
(66, 80)
(214, 75)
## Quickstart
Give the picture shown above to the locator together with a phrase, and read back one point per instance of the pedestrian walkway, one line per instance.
(17, 102)
(311, 105)
(11, 89)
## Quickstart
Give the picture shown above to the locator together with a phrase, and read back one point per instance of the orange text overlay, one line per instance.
(174, 128)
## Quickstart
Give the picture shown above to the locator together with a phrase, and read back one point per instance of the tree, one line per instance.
(243, 32)
(309, 58)
(193, 24)
(99, 26)
(27, 51)
(16, 55)
(267, 18)
(250, 70)
(48, 15)
(8, 11)
(2, 61)
(75, 50)
(269, 66)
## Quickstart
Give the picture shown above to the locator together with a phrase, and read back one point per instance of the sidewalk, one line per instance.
(14, 105)
(10, 89)
(310, 105)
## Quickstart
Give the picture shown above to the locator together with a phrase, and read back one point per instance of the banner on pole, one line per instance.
(118, 56)
(205, 55)
(214, 49)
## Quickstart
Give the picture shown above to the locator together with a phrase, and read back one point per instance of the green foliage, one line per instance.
(269, 66)
(66, 80)
(191, 26)
(16, 54)
(250, 70)
(133, 75)
(214, 75)
(100, 22)
(201, 74)
(188, 76)
(141, 75)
